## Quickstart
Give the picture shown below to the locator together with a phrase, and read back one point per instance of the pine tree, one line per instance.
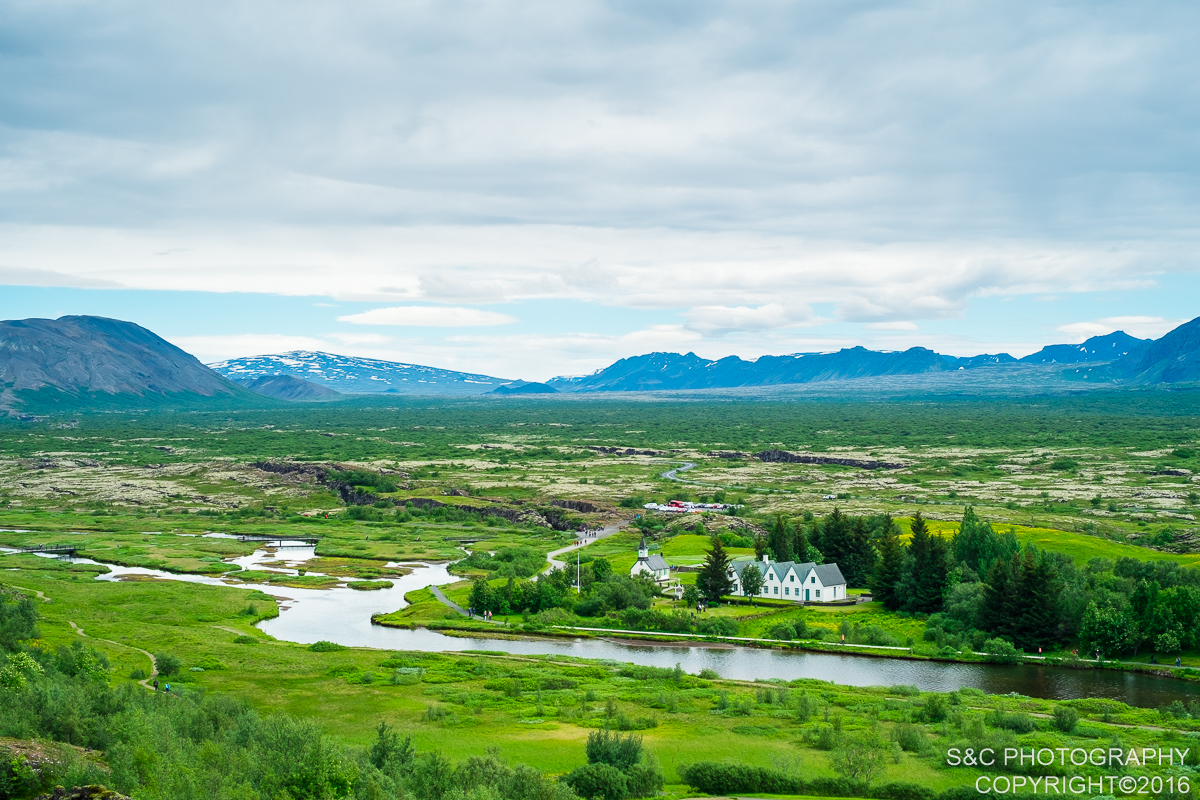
(999, 588)
(835, 539)
(933, 576)
(889, 571)
(860, 555)
(1035, 619)
(713, 579)
(780, 541)
(800, 544)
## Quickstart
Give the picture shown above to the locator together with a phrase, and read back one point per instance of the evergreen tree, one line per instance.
(860, 554)
(1036, 618)
(780, 540)
(998, 598)
(935, 576)
(800, 544)
(889, 571)
(835, 544)
(928, 569)
(713, 580)
(976, 545)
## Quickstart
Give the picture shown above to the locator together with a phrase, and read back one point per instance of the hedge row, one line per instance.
(712, 777)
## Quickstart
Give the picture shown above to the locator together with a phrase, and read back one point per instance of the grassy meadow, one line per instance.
(1101, 476)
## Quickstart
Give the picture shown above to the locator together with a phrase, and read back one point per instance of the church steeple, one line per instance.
(643, 550)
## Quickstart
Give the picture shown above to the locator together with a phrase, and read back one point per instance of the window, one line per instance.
(791, 578)
(818, 592)
(814, 579)
(776, 590)
(786, 590)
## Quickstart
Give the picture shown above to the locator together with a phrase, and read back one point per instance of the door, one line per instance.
(806, 595)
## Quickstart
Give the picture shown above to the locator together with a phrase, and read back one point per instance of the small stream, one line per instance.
(343, 615)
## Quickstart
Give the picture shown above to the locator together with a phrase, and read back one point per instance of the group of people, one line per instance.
(166, 688)
(486, 615)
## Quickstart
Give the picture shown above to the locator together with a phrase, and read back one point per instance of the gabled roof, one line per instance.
(827, 574)
(657, 562)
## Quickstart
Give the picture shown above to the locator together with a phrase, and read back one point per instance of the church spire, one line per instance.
(643, 550)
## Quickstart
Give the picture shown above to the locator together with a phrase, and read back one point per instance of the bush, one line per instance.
(782, 631)
(718, 626)
(246, 640)
(1065, 718)
(168, 664)
(325, 647)
(605, 747)
(910, 737)
(598, 782)
(1001, 651)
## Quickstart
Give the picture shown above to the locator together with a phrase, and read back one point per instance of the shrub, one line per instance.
(325, 647)
(598, 782)
(1001, 651)
(605, 747)
(910, 737)
(718, 626)
(782, 631)
(246, 640)
(1065, 718)
(168, 664)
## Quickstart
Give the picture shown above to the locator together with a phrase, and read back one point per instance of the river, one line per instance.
(343, 616)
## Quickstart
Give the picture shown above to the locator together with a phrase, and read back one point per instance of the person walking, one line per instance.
(167, 689)
(156, 684)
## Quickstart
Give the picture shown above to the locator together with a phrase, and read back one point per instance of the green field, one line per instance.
(1096, 478)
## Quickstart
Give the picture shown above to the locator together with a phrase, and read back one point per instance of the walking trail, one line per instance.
(552, 557)
(153, 662)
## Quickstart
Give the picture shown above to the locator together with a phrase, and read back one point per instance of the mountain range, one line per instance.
(662, 371)
(84, 361)
(350, 375)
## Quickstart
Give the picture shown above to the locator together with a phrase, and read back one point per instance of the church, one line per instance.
(654, 566)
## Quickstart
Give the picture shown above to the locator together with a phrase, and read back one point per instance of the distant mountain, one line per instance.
(658, 371)
(524, 387)
(90, 358)
(1175, 358)
(350, 375)
(288, 387)
(1098, 348)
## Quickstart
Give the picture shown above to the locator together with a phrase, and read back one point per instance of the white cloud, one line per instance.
(1141, 327)
(720, 320)
(901, 325)
(429, 316)
(221, 347)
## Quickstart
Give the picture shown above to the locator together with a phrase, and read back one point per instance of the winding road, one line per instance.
(604, 533)
(673, 474)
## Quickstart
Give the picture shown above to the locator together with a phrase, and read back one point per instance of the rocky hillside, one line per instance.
(286, 387)
(351, 375)
(1098, 348)
(1175, 358)
(80, 355)
(657, 371)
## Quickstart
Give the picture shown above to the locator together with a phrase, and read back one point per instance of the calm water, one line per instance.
(343, 615)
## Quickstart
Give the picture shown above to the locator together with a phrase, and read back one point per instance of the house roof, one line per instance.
(657, 562)
(827, 574)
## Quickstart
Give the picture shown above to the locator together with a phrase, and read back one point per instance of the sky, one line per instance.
(541, 188)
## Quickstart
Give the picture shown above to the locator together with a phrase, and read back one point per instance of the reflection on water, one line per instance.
(344, 616)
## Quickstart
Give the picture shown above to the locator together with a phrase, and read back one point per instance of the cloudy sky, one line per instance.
(532, 189)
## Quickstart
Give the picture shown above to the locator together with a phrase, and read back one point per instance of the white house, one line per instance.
(655, 566)
(788, 580)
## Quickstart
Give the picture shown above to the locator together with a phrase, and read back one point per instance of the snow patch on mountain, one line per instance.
(351, 375)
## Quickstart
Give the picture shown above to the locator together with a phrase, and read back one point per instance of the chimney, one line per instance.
(766, 559)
